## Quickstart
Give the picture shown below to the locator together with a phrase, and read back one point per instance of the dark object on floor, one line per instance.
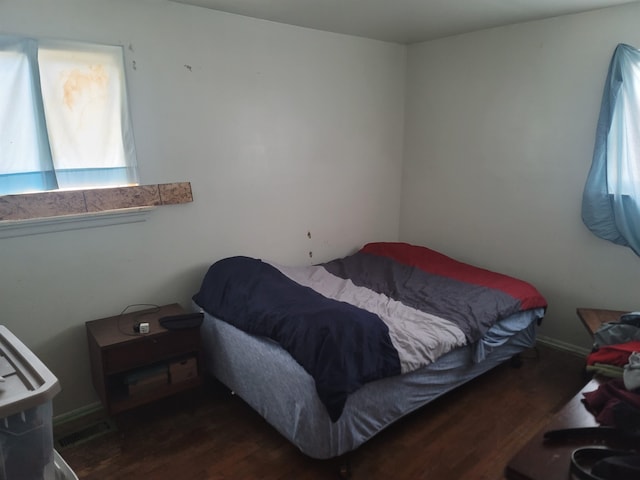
(590, 432)
(602, 463)
(605, 464)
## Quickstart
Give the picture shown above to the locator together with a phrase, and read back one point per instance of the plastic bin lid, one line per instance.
(25, 382)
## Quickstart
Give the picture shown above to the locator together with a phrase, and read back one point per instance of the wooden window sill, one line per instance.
(44, 212)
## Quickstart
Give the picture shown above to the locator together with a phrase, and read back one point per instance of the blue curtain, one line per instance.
(23, 131)
(611, 198)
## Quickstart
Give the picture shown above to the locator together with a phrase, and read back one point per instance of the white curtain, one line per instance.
(79, 92)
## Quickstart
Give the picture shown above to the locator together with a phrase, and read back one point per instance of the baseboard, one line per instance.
(560, 345)
(79, 413)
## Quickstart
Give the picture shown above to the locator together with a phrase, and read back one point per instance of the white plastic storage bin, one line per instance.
(27, 388)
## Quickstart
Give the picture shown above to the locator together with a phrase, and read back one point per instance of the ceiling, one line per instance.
(402, 21)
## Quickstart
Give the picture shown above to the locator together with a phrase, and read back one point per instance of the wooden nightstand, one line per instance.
(131, 369)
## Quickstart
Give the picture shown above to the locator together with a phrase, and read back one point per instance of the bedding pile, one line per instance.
(388, 309)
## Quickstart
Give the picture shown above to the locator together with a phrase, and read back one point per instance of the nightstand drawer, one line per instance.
(144, 350)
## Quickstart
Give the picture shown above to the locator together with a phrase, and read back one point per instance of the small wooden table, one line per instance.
(592, 318)
(550, 461)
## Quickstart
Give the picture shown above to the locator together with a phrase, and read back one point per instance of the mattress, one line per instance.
(265, 376)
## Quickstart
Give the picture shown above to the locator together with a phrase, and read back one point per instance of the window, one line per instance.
(64, 117)
(611, 199)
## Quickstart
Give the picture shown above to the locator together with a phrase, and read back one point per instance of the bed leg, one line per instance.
(516, 361)
(344, 470)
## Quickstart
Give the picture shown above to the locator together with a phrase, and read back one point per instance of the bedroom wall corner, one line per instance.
(499, 136)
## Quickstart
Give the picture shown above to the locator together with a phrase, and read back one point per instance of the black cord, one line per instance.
(155, 307)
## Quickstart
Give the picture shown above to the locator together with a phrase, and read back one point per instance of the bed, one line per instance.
(332, 354)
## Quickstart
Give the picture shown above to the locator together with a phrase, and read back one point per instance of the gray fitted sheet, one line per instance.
(280, 390)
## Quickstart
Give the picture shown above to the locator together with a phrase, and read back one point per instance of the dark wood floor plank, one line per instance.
(470, 433)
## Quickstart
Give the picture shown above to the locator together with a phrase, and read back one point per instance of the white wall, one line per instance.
(280, 130)
(283, 130)
(499, 136)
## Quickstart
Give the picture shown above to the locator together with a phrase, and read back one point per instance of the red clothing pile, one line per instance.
(614, 406)
(617, 355)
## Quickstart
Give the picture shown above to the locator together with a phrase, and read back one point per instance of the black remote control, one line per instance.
(182, 321)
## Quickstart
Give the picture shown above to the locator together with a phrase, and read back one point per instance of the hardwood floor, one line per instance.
(470, 433)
